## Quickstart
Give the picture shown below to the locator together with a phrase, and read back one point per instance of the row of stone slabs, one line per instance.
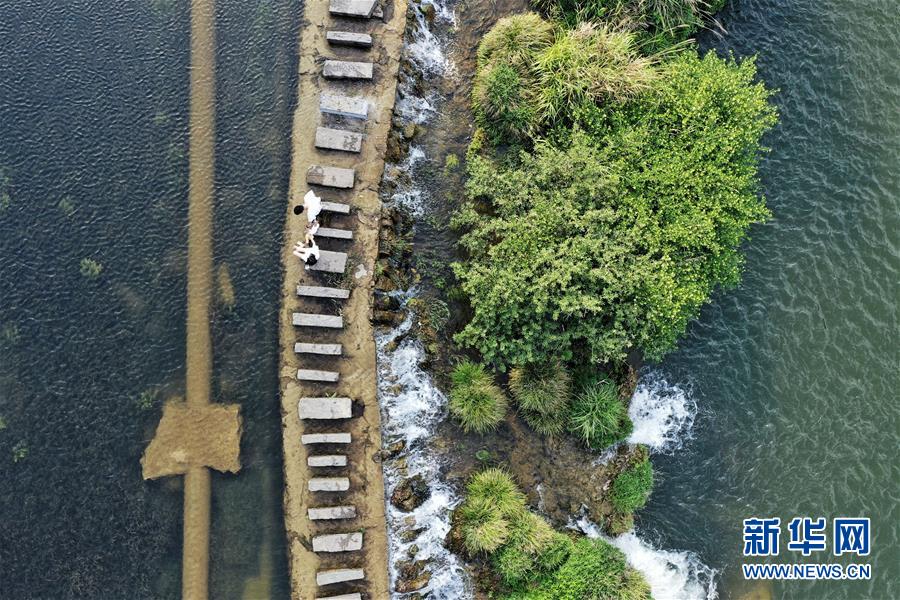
(334, 408)
(319, 321)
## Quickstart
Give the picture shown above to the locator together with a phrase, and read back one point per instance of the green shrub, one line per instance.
(631, 488)
(475, 400)
(621, 233)
(541, 387)
(598, 418)
(555, 553)
(593, 570)
(514, 565)
(451, 164)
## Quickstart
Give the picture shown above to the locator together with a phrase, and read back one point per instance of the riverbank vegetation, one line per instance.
(475, 400)
(613, 176)
(619, 215)
(658, 23)
(527, 558)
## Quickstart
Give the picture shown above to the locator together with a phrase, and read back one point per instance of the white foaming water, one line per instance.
(672, 574)
(414, 109)
(424, 49)
(662, 413)
(411, 405)
(406, 192)
(411, 408)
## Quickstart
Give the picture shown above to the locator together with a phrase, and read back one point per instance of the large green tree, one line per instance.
(612, 236)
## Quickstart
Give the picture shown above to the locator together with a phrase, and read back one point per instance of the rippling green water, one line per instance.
(796, 372)
(93, 123)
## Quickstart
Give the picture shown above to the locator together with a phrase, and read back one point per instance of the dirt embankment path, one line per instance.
(196, 434)
(356, 366)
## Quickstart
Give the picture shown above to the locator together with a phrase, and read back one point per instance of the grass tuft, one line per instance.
(631, 488)
(484, 528)
(497, 486)
(541, 387)
(514, 40)
(475, 400)
(587, 65)
(598, 418)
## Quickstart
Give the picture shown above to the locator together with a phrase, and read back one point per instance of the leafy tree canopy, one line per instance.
(621, 227)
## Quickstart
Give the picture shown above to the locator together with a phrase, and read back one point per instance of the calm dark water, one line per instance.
(796, 372)
(93, 118)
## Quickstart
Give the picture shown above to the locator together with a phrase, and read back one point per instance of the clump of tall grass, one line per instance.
(532, 75)
(492, 503)
(598, 418)
(514, 40)
(484, 527)
(677, 17)
(659, 23)
(550, 425)
(475, 400)
(497, 486)
(542, 392)
(501, 103)
(530, 557)
(589, 64)
(541, 387)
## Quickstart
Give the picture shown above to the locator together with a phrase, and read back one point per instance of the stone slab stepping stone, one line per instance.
(335, 177)
(323, 349)
(331, 513)
(326, 408)
(338, 139)
(353, 596)
(330, 262)
(348, 38)
(337, 234)
(336, 207)
(314, 291)
(325, 438)
(313, 375)
(327, 460)
(339, 576)
(338, 542)
(363, 9)
(313, 320)
(328, 484)
(344, 106)
(346, 69)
